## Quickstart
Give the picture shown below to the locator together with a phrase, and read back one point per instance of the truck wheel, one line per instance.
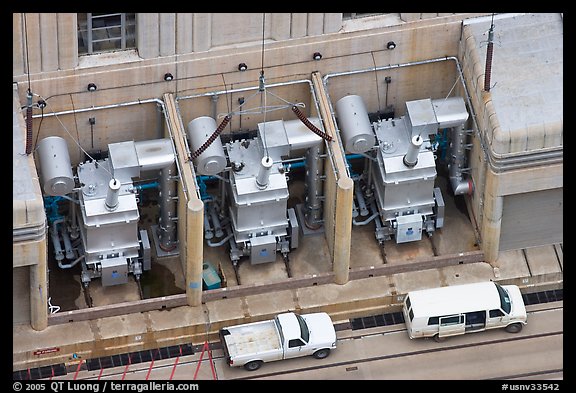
(321, 353)
(438, 339)
(253, 365)
(514, 328)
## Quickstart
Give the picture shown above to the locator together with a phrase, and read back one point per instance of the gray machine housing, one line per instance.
(102, 230)
(397, 190)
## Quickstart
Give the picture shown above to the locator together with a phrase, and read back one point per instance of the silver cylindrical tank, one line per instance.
(411, 157)
(354, 123)
(57, 177)
(213, 160)
(264, 172)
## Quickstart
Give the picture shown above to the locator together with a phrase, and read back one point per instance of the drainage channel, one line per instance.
(174, 351)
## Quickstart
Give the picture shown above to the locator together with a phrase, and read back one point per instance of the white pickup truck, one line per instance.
(288, 335)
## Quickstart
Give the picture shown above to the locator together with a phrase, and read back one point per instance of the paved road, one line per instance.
(386, 353)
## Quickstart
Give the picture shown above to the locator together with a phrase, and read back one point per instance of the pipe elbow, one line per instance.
(462, 186)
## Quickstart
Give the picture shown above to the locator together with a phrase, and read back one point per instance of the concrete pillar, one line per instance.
(31, 32)
(332, 22)
(299, 25)
(194, 251)
(49, 36)
(39, 290)
(492, 222)
(280, 26)
(201, 32)
(148, 35)
(17, 44)
(184, 33)
(343, 229)
(315, 24)
(167, 34)
(67, 41)
(410, 16)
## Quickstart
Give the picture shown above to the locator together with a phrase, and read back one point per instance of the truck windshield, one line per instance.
(304, 332)
(504, 299)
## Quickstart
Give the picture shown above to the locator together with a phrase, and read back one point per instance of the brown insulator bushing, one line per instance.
(488, 70)
(311, 126)
(28, 130)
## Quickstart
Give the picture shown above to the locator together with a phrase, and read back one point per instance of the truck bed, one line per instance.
(252, 338)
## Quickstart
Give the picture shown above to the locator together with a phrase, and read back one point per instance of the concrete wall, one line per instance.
(497, 175)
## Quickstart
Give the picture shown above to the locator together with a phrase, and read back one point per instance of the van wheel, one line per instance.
(514, 328)
(438, 339)
(253, 365)
(321, 353)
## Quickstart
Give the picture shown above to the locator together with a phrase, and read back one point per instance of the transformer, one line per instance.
(102, 230)
(251, 213)
(397, 188)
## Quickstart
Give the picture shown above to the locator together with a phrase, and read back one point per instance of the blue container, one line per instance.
(210, 277)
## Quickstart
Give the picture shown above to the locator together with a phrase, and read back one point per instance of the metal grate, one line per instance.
(139, 357)
(387, 319)
(397, 317)
(40, 372)
(107, 362)
(543, 297)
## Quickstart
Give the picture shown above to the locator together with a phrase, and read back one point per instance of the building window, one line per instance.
(353, 15)
(101, 32)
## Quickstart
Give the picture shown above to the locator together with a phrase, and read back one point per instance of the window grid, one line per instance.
(105, 32)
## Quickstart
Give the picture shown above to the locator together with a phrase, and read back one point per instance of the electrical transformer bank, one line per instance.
(397, 188)
(101, 229)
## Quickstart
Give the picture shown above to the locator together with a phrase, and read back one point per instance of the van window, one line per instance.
(496, 313)
(433, 321)
(411, 315)
(452, 320)
(408, 305)
(504, 299)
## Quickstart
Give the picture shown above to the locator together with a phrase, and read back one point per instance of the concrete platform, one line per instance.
(70, 342)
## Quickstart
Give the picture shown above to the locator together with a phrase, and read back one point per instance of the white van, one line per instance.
(466, 308)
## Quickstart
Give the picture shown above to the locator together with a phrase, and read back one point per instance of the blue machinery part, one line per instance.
(146, 186)
(51, 208)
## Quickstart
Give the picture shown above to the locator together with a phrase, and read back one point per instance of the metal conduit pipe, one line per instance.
(354, 209)
(313, 185)
(366, 221)
(361, 202)
(208, 234)
(460, 185)
(215, 222)
(158, 154)
(168, 207)
(221, 242)
(67, 243)
(58, 253)
(71, 264)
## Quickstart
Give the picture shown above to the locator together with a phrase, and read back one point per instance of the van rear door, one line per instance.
(451, 325)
